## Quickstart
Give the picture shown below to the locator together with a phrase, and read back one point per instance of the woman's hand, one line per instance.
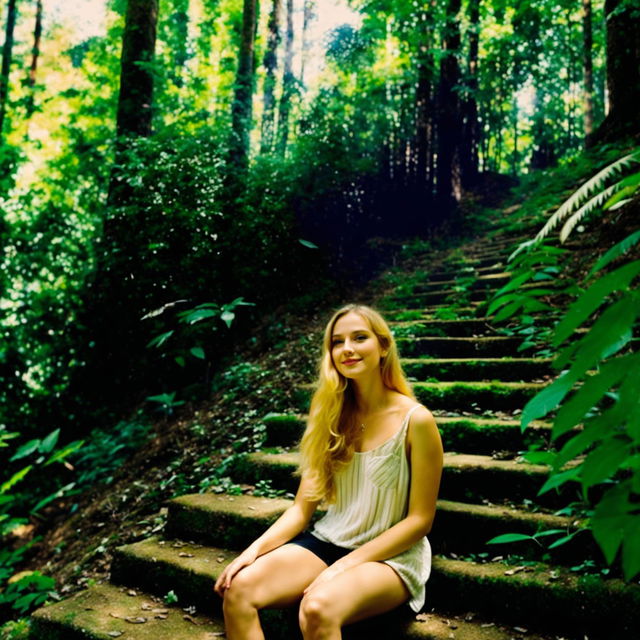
(247, 557)
(328, 574)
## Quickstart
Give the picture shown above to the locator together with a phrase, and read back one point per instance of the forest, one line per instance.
(198, 180)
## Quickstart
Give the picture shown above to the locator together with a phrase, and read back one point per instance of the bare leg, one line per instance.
(276, 579)
(369, 589)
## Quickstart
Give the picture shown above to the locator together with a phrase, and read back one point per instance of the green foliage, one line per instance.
(597, 388)
(28, 592)
(170, 597)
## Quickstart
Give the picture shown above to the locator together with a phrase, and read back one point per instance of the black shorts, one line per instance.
(327, 552)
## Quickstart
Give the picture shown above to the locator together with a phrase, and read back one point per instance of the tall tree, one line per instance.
(309, 13)
(448, 164)
(288, 83)
(270, 63)
(587, 64)
(623, 70)
(35, 55)
(241, 111)
(136, 78)
(7, 52)
(469, 109)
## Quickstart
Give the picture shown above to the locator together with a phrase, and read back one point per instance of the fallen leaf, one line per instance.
(511, 572)
(214, 634)
(135, 620)
(115, 634)
(192, 620)
(422, 617)
(486, 625)
(113, 615)
(159, 610)
(220, 558)
(161, 616)
(520, 629)
(131, 592)
(183, 554)
(146, 606)
(252, 508)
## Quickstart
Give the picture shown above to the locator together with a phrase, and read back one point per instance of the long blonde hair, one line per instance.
(329, 439)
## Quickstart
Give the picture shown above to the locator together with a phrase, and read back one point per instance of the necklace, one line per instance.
(362, 426)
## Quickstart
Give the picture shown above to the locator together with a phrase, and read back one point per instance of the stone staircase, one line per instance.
(475, 382)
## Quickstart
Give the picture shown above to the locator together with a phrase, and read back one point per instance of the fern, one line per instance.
(587, 189)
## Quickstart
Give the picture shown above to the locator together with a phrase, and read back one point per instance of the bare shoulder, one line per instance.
(423, 427)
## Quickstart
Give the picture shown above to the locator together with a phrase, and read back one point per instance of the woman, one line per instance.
(375, 457)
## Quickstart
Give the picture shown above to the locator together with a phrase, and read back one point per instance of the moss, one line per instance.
(505, 369)
(283, 429)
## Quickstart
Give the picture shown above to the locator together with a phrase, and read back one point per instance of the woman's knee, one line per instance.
(241, 592)
(316, 612)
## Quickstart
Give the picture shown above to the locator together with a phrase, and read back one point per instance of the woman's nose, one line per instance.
(347, 345)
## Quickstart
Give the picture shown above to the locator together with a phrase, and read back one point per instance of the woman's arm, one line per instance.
(287, 526)
(426, 457)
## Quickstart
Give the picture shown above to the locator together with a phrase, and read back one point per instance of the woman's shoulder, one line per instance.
(421, 421)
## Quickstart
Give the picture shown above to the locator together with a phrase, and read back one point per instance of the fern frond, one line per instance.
(595, 203)
(585, 191)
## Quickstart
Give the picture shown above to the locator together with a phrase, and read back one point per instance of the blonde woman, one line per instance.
(374, 456)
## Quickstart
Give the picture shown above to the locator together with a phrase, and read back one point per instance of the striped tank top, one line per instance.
(372, 494)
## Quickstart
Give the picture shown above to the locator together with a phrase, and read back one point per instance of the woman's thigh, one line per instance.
(369, 589)
(278, 578)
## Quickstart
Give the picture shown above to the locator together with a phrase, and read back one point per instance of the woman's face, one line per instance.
(355, 349)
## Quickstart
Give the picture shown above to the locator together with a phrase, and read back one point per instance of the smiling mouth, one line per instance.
(350, 361)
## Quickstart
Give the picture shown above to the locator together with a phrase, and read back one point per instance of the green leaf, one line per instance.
(631, 548)
(25, 450)
(604, 461)
(158, 341)
(509, 537)
(547, 399)
(589, 395)
(227, 317)
(47, 445)
(66, 451)
(563, 540)
(198, 352)
(14, 479)
(610, 519)
(307, 243)
(593, 297)
(615, 252)
(514, 283)
(54, 496)
(193, 316)
(556, 480)
(594, 431)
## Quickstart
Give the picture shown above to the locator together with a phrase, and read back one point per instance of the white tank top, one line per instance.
(372, 494)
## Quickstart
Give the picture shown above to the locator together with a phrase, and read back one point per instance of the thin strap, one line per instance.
(407, 418)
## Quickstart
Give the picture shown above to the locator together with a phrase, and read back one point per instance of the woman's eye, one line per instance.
(361, 338)
(336, 342)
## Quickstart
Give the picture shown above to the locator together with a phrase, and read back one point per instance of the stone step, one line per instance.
(431, 298)
(101, 612)
(442, 328)
(468, 369)
(461, 434)
(465, 478)
(491, 280)
(235, 521)
(461, 347)
(571, 604)
(452, 274)
(470, 311)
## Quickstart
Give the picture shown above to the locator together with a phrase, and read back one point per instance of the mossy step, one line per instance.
(235, 521)
(543, 596)
(466, 478)
(572, 604)
(475, 396)
(101, 612)
(441, 328)
(452, 274)
(453, 369)
(459, 396)
(490, 280)
(460, 347)
(402, 314)
(462, 434)
(418, 300)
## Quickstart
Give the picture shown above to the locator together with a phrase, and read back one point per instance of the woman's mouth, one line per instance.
(348, 362)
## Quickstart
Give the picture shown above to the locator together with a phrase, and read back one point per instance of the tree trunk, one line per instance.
(288, 81)
(424, 103)
(470, 126)
(308, 15)
(35, 55)
(587, 63)
(448, 164)
(136, 79)
(180, 40)
(241, 111)
(623, 72)
(270, 65)
(7, 52)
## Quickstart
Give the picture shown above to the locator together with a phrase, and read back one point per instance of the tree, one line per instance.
(587, 58)
(7, 52)
(241, 109)
(308, 15)
(270, 63)
(288, 83)
(35, 54)
(448, 165)
(623, 70)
